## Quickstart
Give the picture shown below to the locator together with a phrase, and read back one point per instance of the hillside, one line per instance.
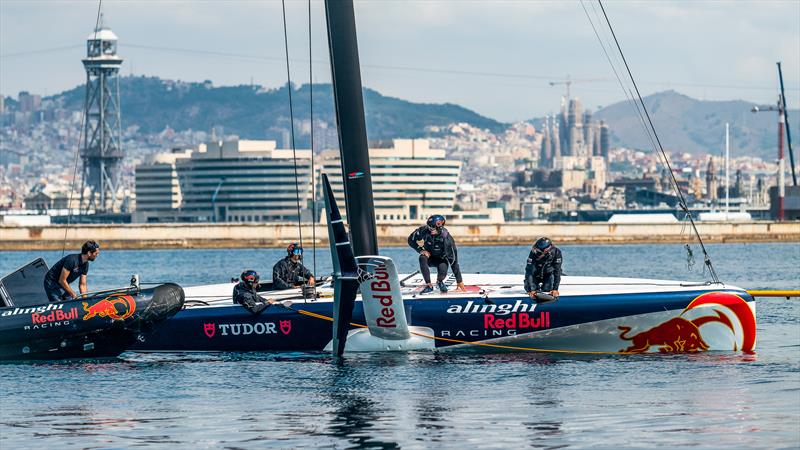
(683, 123)
(253, 112)
(697, 126)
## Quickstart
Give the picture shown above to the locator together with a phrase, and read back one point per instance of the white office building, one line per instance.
(231, 181)
(410, 180)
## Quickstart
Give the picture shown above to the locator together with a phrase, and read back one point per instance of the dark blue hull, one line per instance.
(456, 321)
(98, 326)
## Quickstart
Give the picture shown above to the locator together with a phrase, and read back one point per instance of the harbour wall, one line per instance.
(141, 236)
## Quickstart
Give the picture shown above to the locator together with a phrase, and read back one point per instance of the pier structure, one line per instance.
(265, 235)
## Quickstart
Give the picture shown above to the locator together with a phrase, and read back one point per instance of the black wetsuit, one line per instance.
(442, 248)
(76, 268)
(543, 273)
(249, 298)
(287, 273)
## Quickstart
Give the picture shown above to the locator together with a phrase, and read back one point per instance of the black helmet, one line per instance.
(294, 249)
(542, 245)
(250, 278)
(436, 221)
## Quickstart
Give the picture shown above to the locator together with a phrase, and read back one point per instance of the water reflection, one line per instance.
(354, 416)
(432, 406)
(543, 401)
(463, 400)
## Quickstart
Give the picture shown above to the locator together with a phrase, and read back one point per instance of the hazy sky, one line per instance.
(495, 57)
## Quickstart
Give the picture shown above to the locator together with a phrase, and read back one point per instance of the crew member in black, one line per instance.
(68, 269)
(438, 250)
(245, 293)
(290, 272)
(543, 271)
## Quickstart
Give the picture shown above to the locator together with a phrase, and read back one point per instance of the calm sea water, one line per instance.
(422, 400)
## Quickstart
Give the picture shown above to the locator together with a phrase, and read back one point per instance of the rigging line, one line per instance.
(78, 149)
(707, 258)
(625, 91)
(291, 123)
(37, 52)
(313, 173)
(422, 69)
(396, 68)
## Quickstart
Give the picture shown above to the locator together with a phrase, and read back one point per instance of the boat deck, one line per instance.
(478, 285)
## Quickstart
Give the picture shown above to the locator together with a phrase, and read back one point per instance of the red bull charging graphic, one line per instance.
(683, 335)
(115, 307)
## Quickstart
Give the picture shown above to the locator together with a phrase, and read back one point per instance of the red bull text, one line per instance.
(382, 292)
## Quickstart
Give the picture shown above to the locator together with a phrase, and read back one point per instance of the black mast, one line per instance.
(782, 110)
(356, 173)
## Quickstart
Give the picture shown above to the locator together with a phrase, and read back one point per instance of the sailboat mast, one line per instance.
(727, 171)
(351, 124)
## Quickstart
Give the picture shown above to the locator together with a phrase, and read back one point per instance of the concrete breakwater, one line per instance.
(140, 236)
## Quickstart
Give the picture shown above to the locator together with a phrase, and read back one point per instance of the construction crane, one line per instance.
(568, 82)
(783, 124)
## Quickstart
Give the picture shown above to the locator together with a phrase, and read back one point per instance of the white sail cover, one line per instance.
(382, 300)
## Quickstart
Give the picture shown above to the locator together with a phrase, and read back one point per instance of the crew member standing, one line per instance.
(68, 269)
(246, 293)
(438, 250)
(290, 272)
(543, 271)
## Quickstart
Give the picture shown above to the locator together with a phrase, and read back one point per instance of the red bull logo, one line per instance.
(55, 316)
(115, 307)
(382, 291)
(681, 335)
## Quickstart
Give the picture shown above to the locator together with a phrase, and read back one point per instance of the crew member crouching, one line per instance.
(543, 271)
(438, 250)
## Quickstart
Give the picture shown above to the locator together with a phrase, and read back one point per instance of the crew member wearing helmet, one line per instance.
(438, 250)
(290, 272)
(543, 271)
(245, 293)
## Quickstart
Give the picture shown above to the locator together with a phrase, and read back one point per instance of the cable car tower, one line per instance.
(102, 152)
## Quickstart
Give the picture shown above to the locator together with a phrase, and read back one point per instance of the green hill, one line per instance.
(253, 112)
(698, 126)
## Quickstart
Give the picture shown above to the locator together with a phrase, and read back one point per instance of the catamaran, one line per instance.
(367, 306)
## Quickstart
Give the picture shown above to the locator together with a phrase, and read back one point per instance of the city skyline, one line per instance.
(485, 57)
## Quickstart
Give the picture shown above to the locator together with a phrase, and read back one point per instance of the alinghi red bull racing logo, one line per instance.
(681, 335)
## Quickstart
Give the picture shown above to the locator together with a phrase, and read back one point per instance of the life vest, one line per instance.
(436, 244)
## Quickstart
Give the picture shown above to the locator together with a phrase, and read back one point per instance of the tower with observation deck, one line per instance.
(102, 151)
